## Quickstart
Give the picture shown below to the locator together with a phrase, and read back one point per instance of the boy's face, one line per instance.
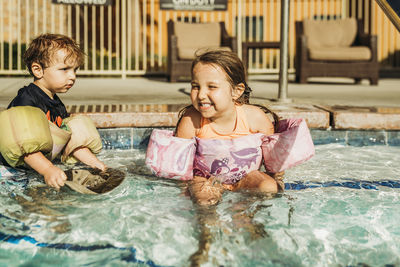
(58, 77)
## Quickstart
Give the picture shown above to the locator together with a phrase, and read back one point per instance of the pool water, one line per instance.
(339, 209)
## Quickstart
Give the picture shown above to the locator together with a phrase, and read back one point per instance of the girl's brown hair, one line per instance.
(42, 49)
(235, 74)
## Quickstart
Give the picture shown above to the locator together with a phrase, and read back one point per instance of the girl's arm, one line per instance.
(189, 124)
(259, 122)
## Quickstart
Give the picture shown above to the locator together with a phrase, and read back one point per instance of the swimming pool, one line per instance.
(339, 208)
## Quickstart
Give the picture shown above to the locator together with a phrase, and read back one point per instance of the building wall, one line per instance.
(130, 37)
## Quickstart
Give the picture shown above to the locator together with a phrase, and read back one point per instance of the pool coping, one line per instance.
(317, 116)
(130, 126)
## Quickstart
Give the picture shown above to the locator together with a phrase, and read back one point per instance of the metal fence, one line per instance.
(129, 37)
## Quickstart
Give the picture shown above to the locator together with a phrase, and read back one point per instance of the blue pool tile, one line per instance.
(352, 184)
(116, 138)
(322, 137)
(140, 137)
(366, 138)
(393, 138)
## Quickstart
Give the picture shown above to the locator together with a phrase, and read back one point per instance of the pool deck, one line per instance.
(154, 102)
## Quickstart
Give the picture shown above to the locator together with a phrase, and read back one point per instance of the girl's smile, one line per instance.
(211, 92)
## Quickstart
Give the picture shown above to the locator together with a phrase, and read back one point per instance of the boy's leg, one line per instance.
(84, 155)
(260, 181)
(204, 192)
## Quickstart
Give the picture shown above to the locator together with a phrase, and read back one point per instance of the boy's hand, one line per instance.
(54, 177)
(99, 165)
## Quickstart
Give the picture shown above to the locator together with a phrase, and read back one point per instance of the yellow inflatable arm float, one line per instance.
(84, 134)
(24, 130)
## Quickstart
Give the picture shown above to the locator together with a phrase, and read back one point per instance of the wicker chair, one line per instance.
(335, 48)
(185, 39)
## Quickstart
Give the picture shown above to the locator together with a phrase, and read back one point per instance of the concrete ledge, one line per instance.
(315, 117)
(366, 118)
(133, 119)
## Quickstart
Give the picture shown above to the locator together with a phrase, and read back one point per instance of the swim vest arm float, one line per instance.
(24, 130)
(177, 158)
(289, 147)
(169, 156)
(83, 134)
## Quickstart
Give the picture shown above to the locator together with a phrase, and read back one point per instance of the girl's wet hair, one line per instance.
(43, 48)
(235, 74)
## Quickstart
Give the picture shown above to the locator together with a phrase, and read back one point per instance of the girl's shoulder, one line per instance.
(251, 108)
(192, 114)
(254, 112)
(258, 121)
(189, 123)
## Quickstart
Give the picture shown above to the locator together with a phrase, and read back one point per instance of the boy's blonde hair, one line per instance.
(43, 48)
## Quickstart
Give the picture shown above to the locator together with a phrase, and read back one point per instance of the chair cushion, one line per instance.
(190, 53)
(196, 35)
(340, 53)
(330, 33)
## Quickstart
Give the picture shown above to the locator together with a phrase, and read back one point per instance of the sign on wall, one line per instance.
(200, 5)
(83, 2)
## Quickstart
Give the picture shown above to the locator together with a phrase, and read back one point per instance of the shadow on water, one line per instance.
(43, 201)
(40, 202)
(242, 218)
(207, 217)
(209, 223)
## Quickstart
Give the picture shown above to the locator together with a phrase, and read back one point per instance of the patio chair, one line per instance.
(185, 39)
(335, 48)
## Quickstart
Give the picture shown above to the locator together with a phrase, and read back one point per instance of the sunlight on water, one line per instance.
(336, 212)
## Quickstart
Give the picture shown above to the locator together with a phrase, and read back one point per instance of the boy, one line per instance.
(52, 60)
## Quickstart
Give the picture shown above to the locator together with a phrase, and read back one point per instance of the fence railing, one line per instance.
(130, 37)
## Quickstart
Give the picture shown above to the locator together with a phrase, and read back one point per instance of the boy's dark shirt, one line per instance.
(32, 95)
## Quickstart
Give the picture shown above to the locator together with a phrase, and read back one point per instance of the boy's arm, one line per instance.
(53, 176)
(84, 155)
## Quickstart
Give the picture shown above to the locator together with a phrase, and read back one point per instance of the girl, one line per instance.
(220, 110)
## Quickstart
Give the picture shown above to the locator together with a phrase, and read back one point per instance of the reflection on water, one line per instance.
(242, 219)
(42, 200)
(151, 221)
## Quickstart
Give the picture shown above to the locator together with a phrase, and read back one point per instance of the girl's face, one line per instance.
(211, 92)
